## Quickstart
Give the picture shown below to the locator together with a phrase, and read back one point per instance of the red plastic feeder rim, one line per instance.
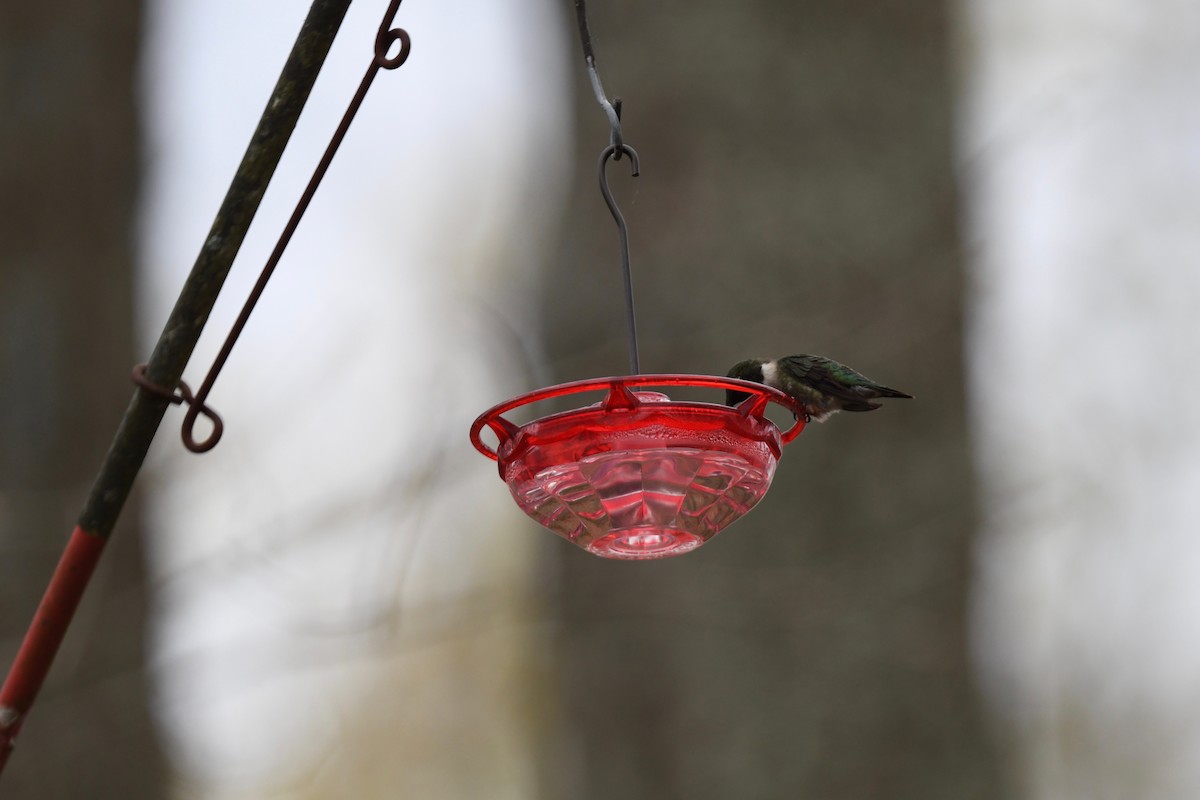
(637, 475)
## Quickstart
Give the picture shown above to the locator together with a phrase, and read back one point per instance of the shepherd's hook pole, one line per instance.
(180, 334)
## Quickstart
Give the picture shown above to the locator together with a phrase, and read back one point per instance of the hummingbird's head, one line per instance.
(749, 370)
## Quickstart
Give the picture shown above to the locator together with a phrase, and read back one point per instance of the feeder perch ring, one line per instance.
(637, 475)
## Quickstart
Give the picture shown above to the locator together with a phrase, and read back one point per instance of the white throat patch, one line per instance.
(771, 375)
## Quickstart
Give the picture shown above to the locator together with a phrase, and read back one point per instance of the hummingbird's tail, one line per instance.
(866, 394)
(862, 405)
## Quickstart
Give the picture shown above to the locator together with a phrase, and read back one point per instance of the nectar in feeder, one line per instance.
(638, 476)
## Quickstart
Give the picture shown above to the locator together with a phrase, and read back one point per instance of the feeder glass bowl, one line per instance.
(638, 476)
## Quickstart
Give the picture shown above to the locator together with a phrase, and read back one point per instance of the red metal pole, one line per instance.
(46, 633)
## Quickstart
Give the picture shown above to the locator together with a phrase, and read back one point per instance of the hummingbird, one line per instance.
(821, 385)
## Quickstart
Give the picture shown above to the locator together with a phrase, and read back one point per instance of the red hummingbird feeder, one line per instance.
(637, 475)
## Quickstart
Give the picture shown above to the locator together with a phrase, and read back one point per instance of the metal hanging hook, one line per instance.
(614, 152)
(616, 148)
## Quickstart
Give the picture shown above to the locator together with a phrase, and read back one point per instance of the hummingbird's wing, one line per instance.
(824, 375)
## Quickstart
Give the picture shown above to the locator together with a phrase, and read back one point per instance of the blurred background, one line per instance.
(987, 592)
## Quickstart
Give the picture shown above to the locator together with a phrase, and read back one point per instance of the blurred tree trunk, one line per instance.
(68, 180)
(797, 195)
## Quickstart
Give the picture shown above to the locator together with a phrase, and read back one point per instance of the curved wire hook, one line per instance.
(616, 148)
(615, 151)
(189, 428)
(387, 35)
(384, 39)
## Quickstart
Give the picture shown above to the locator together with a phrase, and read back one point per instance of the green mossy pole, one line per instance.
(180, 334)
